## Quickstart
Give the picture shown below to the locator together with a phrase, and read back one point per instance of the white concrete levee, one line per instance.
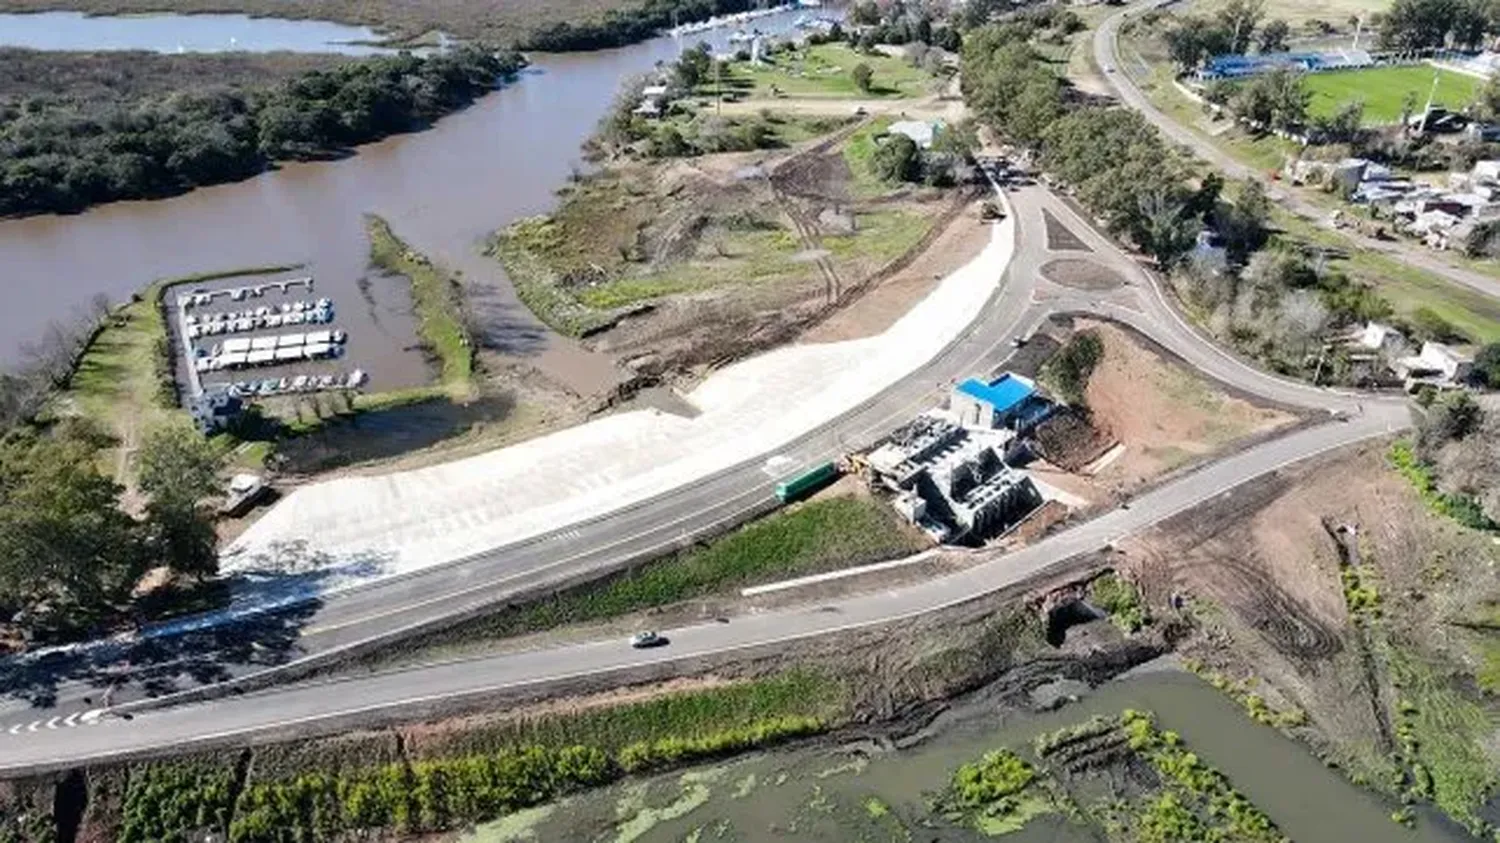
(384, 525)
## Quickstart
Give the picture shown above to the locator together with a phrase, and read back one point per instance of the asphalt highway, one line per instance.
(73, 730)
(1107, 56)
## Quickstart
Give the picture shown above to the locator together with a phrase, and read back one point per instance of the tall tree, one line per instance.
(1273, 36)
(1167, 232)
(178, 469)
(863, 77)
(1421, 24)
(1240, 18)
(64, 541)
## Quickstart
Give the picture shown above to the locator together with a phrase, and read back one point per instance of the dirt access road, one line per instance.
(1107, 54)
(947, 105)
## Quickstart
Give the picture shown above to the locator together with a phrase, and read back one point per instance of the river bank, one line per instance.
(530, 24)
(209, 137)
(881, 715)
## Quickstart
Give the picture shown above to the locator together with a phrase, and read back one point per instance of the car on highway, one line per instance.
(647, 640)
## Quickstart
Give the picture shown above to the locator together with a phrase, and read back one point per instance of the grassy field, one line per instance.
(1299, 12)
(825, 71)
(1383, 89)
(688, 715)
(1447, 732)
(821, 535)
(1407, 288)
(857, 151)
(438, 302)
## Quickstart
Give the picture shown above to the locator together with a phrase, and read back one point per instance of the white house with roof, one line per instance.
(1380, 338)
(1438, 364)
(921, 132)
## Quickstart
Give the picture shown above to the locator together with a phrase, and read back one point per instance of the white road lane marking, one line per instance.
(91, 717)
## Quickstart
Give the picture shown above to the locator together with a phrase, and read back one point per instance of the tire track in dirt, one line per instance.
(1286, 623)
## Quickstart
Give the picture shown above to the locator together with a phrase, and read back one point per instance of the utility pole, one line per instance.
(1427, 112)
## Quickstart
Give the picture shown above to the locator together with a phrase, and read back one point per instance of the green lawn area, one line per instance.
(117, 383)
(436, 299)
(817, 536)
(820, 535)
(825, 70)
(857, 151)
(1405, 287)
(1384, 88)
(881, 235)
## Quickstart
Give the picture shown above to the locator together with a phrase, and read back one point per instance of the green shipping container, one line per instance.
(806, 482)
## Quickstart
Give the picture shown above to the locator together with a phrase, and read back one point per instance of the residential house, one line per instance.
(1380, 338)
(1437, 364)
(921, 132)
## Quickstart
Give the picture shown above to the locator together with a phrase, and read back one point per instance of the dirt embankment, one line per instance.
(1330, 589)
(675, 267)
(1147, 415)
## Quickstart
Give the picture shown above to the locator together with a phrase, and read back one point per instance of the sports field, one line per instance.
(1384, 88)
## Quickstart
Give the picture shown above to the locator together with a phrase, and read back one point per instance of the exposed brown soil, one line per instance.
(765, 301)
(953, 247)
(1261, 570)
(1070, 441)
(1082, 274)
(1166, 415)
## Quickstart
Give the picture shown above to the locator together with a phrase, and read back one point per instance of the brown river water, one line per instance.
(442, 190)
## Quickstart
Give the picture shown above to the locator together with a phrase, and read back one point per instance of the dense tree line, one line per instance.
(1115, 161)
(1425, 24)
(70, 554)
(1235, 28)
(1276, 303)
(618, 27)
(57, 154)
(898, 22)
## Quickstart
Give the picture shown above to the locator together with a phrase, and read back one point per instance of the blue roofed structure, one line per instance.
(1004, 394)
(1008, 402)
(1235, 66)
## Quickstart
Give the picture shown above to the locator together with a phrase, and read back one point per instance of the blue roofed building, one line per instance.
(1009, 402)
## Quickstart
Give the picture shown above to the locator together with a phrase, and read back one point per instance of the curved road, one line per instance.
(1107, 56)
(1024, 300)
